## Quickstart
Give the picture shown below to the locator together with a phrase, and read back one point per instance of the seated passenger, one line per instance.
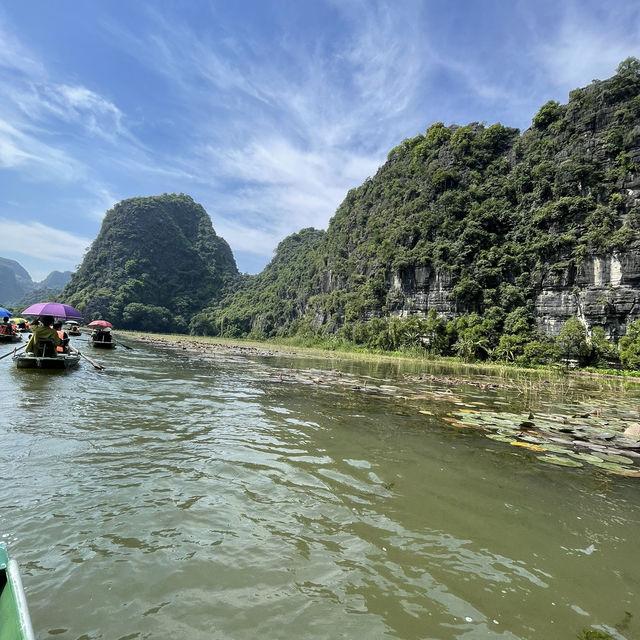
(63, 347)
(43, 330)
(5, 328)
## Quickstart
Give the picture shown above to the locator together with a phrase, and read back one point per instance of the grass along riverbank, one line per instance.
(342, 351)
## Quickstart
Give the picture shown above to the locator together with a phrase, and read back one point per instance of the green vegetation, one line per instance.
(155, 262)
(479, 214)
(444, 252)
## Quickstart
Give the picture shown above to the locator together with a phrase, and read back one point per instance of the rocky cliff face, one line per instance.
(484, 221)
(603, 291)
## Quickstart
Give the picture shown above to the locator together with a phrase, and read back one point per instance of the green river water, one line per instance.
(246, 496)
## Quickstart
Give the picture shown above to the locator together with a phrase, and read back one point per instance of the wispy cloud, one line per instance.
(42, 120)
(74, 104)
(304, 120)
(588, 45)
(37, 240)
(37, 160)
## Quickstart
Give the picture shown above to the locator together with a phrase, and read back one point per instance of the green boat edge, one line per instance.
(15, 622)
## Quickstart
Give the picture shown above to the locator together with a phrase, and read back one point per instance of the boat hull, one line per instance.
(102, 345)
(26, 361)
(13, 338)
(15, 622)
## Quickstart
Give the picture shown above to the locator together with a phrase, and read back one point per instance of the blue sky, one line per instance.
(266, 112)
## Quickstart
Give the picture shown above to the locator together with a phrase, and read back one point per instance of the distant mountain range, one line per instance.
(17, 289)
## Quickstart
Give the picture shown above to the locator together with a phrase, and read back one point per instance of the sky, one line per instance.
(266, 112)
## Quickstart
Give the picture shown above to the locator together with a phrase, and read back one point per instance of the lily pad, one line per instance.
(555, 448)
(615, 458)
(560, 461)
(528, 445)
(534, 439)
(624, 471)
(616, 468)
(586, 457)
(499, 437)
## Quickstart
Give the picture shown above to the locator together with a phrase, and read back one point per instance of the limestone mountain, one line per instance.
(276, 298)
(55, 280)
(15, 281)
(17, 289)
(478, 222)
(155, 261)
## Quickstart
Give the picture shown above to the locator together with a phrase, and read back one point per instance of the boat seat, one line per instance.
(46, 348)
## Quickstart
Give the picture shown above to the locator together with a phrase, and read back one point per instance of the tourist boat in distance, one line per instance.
(15, 623)
(101, 337)
(21, 325)
(60, 361)
(10, 337)
(102, 340)
(72, 328)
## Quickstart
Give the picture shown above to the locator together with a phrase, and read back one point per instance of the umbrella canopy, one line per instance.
(55, 309)
(17, 320)
(100, 323)
(73, 322)
(4, 313)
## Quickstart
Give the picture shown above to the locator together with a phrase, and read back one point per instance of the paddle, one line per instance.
(124, 345)
(99, 367)
(13, 352)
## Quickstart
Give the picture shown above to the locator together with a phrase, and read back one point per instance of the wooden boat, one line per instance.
(15, 623)
(13, 337)
(74, 332)
(101, 344)
(31, 361)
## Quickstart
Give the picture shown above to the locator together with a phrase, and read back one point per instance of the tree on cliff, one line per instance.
(470, 219)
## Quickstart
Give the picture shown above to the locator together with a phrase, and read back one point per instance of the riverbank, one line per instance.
(459, 370)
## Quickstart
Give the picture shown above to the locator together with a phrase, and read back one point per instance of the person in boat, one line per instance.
(63, 347)
(6, 328)
(101, 335)
(42, 331)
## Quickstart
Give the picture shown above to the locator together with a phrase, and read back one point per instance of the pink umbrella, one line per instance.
(55, 309)
(100, 323)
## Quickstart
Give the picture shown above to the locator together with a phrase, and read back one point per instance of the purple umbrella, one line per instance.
(55, 309)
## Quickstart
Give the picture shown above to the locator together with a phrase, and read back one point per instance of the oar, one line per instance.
(15, 349)
(124, 345)
(99, 367)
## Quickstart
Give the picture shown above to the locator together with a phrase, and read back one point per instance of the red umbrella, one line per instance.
(100, 323)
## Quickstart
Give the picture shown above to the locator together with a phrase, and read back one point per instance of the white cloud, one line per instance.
(34, 158)
(304, 121)
(589, 45)
(37, 240)
(14, 56)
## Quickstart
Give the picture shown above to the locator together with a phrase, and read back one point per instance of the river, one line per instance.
(245, 496)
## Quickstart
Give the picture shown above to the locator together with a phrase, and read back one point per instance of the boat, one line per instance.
(60, 361)
(101, 344)
(15, 623)
(72, 328)
(101, 340)
(10, 337)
